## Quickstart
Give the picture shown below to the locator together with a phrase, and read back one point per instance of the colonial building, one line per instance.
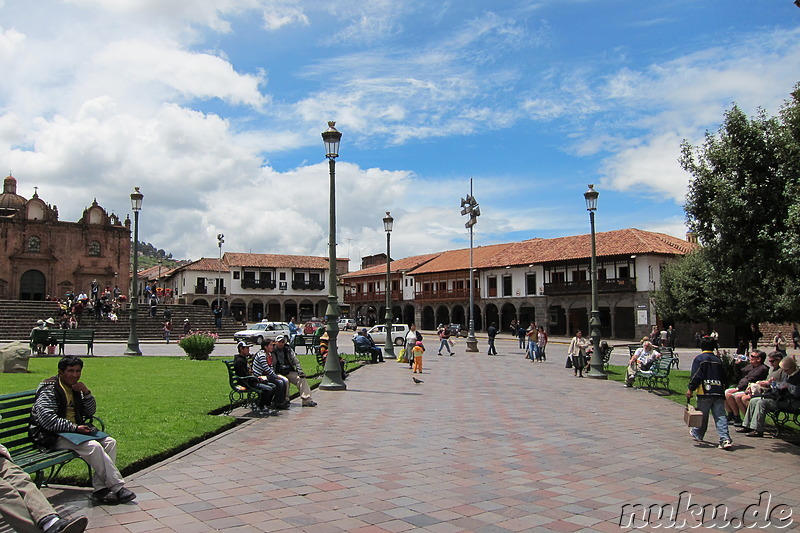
(42, 256)
(542, 280)
(258, 286)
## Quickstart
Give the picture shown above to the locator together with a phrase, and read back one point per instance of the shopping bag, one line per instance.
(569, 362)
(401, 355)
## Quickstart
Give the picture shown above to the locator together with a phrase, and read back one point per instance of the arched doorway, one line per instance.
(458, 316)
(508, 313)
(427, 319)
(32, 286)
(408, 314)
(256, 311)
(442, 315)
(492, 317)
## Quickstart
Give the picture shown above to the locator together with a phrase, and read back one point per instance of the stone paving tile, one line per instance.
(391, 456)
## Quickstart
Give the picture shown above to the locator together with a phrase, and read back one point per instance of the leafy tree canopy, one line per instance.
(744, 205)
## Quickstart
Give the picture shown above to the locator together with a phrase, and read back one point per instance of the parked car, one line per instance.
(457, 330)
(259, 331)
(399, 332)
(311, 326)
(347, 323)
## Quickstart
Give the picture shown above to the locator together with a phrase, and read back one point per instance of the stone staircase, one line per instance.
(17, 318)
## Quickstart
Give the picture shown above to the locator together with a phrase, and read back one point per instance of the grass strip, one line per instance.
(154, 406)
(678, 383)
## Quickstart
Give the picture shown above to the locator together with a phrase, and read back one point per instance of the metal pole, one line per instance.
(332, 380)
(594, 321)
(388, 347)
(133, 337)
(472, 342)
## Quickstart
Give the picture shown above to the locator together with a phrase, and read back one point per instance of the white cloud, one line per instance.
(192, 75)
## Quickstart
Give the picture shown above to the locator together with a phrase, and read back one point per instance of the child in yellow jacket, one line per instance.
(417, 352)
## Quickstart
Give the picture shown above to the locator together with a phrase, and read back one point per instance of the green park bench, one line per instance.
(43, 466)
(74, 336)
(43, 337)
(657, 376)
(241, 393)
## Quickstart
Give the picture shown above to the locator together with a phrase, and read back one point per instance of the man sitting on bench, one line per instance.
(62, 405)
(365, 343)
(642, 359)
(24, 507)
(266, 389)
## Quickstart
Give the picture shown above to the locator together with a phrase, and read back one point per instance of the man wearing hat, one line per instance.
(365, 343)
(267, 390)
(286, 364)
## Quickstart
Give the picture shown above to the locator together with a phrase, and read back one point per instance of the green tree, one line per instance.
(744, 205)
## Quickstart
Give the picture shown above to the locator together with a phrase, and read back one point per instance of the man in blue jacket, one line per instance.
(710, 380)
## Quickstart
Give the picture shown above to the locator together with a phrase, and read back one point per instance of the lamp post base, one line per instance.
(597, 373)
(472, 344)
(133, 350)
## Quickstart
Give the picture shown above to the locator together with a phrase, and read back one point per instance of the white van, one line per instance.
(399, 332)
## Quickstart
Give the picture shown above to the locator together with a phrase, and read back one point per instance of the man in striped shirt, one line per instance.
(63, 403)
(262, 368)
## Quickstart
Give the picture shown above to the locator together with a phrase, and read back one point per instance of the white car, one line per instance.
(399, 332)
(256, 333)
(347, 323)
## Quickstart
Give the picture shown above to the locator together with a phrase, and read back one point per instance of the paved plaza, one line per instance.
(485, 444)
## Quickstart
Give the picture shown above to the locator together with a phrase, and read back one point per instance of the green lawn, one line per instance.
(678, 383)
(154, 406)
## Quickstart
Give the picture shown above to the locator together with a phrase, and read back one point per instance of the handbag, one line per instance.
(569, 362)
(692, 417)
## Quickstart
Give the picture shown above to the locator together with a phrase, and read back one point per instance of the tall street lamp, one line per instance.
(594, 321)
(133, 337)
(388, 348)
(470, 207)
(332, 379)
(220, 242)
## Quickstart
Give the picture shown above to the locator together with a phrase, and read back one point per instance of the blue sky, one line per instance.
(215, 108)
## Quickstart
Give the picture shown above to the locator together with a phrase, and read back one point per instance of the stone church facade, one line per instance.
(41, 256)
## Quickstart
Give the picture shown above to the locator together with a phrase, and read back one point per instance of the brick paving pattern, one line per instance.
(485, 444)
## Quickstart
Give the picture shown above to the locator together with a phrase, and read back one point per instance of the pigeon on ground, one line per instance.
(417, 381)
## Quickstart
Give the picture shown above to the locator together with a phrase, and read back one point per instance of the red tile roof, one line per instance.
(234, 259)
(622, 242)
(407, 263)
(482, 257)
(205, 264)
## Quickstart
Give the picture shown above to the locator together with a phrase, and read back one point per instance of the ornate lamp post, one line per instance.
(220, 242)
(133, 337)
(388, 348)
(470, 207)
(594, 321)
(332, 380)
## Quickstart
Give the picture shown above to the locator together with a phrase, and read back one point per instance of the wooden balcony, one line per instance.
(200, 289)
(308, 285)
(371, 297)
(585, 287)
(445, 295)
(258, 284)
